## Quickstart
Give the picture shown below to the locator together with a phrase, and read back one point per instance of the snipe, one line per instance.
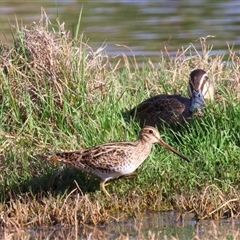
(172, 109)
(115, 159)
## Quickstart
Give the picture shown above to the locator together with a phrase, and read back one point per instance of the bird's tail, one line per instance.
(54, 159)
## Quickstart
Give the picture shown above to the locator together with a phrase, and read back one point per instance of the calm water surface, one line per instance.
(144, 26)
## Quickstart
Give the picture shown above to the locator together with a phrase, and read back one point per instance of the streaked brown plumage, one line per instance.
(172, 109)
(112, 160)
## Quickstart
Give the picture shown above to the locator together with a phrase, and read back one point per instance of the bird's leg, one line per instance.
(103, 183)
(102, 186)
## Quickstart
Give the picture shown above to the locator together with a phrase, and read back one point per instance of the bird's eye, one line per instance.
(150, 131)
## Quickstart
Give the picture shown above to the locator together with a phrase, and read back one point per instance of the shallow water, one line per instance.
(154, 225)
(144, 26)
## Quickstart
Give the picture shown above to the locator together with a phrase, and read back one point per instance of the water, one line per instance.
(154, 225)
(144, 26)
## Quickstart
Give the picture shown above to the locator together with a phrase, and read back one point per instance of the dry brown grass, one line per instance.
(78, 208)
(46, 54)
(75, 208)
(211, 202)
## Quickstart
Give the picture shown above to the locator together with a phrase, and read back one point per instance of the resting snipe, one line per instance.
(172, 109)
(115, 159)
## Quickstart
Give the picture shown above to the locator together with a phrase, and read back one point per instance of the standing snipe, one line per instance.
(112, 160)
(172, 109)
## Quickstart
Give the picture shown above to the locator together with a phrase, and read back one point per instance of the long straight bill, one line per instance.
(162, 143)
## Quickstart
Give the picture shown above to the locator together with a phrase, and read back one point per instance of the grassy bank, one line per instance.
(57, 93)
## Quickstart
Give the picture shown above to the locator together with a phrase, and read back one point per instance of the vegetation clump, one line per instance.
(57, 93)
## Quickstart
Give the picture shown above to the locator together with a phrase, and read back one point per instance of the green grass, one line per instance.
(80, 101)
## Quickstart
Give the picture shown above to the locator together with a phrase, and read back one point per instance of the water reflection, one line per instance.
(161, 225)
(143, 25)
